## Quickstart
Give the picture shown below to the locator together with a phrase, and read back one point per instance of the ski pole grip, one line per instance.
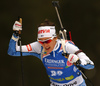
(55, 3)
(78, 62)
(20, 20)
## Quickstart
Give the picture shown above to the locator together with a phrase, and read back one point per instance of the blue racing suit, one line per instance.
(60, 71)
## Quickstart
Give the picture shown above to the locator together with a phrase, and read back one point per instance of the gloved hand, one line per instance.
(86, 61)
(73, 58)
(17, 26)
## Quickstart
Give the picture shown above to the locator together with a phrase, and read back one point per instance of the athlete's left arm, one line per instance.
(85, 60)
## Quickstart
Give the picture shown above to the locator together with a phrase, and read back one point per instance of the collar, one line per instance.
(56, 48)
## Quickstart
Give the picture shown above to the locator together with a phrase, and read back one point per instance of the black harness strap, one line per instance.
(77, 52)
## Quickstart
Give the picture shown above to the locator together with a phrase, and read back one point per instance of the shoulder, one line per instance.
(71, 47)
(36, 43)
(66, 42)
(70, 42)
(36, 46)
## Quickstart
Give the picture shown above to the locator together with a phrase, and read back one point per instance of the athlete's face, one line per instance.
(48, 43)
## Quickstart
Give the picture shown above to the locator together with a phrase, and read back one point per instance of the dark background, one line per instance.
(81, 17)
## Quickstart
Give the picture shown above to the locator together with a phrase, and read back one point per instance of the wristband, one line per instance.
(16, 33)
(15, 38)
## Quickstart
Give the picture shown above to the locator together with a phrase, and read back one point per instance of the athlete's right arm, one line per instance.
(30, 49)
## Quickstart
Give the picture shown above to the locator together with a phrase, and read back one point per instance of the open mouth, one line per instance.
(47, 48)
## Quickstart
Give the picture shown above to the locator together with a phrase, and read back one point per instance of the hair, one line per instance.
(46, 22)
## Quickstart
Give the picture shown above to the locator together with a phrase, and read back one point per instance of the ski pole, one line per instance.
(86, 77)
(20, 20)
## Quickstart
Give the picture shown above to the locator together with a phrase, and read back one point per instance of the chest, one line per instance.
(56, 61)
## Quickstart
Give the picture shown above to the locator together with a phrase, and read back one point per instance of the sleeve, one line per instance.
(85, 61)
(30, 49)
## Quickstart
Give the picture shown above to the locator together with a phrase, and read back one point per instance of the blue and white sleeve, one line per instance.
(85, 60)
(30, 49)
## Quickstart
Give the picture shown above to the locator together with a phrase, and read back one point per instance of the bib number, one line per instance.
(55, 73)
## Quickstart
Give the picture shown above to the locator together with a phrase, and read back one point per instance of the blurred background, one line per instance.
(81, 17)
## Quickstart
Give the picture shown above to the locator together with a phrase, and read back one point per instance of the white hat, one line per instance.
(46, 31)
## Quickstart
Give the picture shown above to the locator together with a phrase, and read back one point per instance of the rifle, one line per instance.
(63, 36)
